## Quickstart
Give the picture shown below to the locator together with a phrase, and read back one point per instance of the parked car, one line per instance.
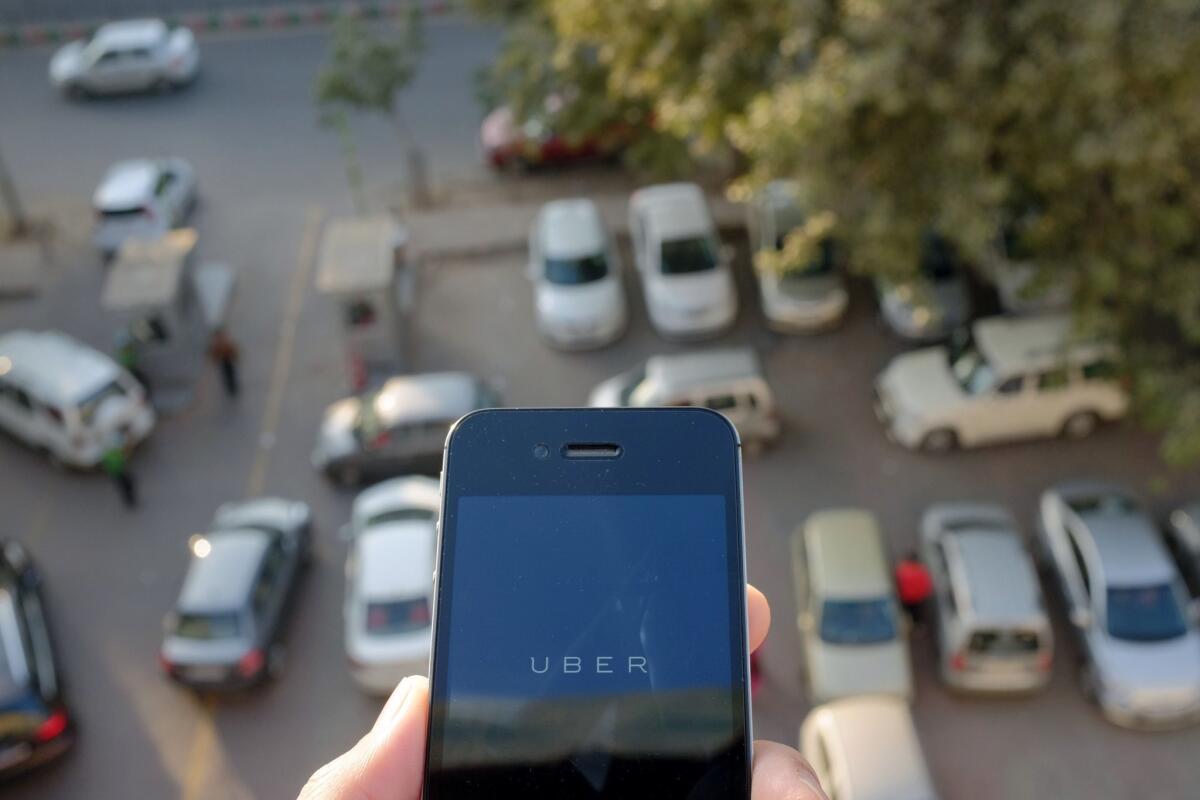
(686, 275)
(35, 725)
(928, 307)
(66, 399)
(727, 380)
(126, 56)
(805, 298)
(398, 428)
(1139, 647)
(853, 637)
(866, 748)
(1011, 268)
(993, 633)
(226, 630)
(578, 295)
(1183, 540)
(389, 603)
(1004, 378)
(142, 198)
(508, 143)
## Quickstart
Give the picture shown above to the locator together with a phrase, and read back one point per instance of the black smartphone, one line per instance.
(589, 629)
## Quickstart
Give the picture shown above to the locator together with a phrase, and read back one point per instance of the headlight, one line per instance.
(922, 316)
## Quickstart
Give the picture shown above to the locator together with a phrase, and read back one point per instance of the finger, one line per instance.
(387, 763)
(781, 773)
(759, 612)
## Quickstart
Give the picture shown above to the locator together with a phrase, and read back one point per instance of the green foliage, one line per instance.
(367, 69)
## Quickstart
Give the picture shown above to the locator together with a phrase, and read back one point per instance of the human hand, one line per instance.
(389, 762)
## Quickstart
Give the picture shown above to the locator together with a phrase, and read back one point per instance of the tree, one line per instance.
(18, 222)
(1068, 132)
(366, 71)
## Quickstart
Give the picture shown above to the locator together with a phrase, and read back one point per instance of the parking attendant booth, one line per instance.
(363, 266)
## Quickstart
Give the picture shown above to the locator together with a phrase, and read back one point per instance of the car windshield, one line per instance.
(1103, 504)
(1145, 613)
(222, 625)
(821, 264)
(1004, 642)
(632, 380)
(399, 515)
(14, 669)
(972, 371)
(858, 621)
(397, 616)
(575, 271)
(681, 256)
(90, 403)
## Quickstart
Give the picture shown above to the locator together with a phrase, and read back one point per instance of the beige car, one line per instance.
(853, 636)
(866, 748)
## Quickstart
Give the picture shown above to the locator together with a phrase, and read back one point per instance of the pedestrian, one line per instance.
(224, 351)
(913, 585)
(116, 464)
(128, 357)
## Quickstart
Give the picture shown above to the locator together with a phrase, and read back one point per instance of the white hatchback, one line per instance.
(686, 275)
(126, 56)
(142, 198)
(389, 583)
(578, 296)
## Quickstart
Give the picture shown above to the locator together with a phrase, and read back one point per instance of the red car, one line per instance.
(535, 143)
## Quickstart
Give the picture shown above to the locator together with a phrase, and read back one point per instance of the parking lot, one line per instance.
(269, 181)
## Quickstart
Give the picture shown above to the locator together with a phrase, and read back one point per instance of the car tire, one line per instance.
(1080, 425)
(276, 660)
(348, 475)
(941, 440)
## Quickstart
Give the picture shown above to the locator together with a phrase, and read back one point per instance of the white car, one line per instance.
(389, 583)
(68, 400)
(866, 748)
(142, 198)
(686, 276)
(128, 56)
(1003, 378)
(576, 274)
(1128, 608)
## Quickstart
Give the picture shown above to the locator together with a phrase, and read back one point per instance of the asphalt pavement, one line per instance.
(269, 180)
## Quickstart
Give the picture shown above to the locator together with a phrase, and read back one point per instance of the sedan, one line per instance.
(388, 607)
(1127, 605)
(35, 726)
(226, 628)
(508, 143)
(127, 56)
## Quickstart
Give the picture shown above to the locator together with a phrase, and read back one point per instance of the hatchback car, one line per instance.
(852, 634)
(993, 632)
(1183, 540)
(226, 629)
(578, 295)
(932, 304)
(866, 748)
(127, 56)
(398, 428)
(508, 143)
(389, 604)
(35, 725)
(1004, 378)
(1140, 650)
(141, 198)
(730, 381)
(686, 275)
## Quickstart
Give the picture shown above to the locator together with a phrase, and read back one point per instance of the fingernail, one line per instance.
(395, 703)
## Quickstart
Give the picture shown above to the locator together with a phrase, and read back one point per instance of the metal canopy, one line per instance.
(358, 254)
(148, 272)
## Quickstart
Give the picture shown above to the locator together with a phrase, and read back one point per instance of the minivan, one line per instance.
(993, 632)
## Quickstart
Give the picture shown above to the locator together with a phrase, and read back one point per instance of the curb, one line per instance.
(268, 17)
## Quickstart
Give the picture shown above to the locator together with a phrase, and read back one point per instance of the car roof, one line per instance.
(1129, 548)
(1016, 345)
(845, 553)
(54, 366)
(130, 33)
(411, 491)
(395, 559)
(704, 367)
(673, 209)
(1000, 582)
(221, 581)
(571, 228)
(878, 748)
(127, 184)
(429, 396)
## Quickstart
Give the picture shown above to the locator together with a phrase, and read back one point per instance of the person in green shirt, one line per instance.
(116, 464)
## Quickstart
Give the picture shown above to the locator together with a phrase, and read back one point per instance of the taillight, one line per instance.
(1045, 661)
(52, 728)
(249, 665)
(959, 661)
(165, 665)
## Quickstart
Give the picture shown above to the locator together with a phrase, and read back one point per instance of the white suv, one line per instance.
(685, 271)
(142, 198)
(1001, 379)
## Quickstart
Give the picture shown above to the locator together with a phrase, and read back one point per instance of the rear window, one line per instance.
(14, 669)
(225, 625)
(681, 256)
(400, 515)
(1004, 643)
(575, 271)
(397, 616)
(858, 621)
(119, 214)
(90, 403)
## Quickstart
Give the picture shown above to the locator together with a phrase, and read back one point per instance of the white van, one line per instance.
(993, 631)
(727, 380)
(68, 400)
(685, 271)
(1002, 378)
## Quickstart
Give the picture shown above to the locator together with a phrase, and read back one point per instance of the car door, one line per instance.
(998, 413)
(946, 607)
(1057, 399)
(169, 192)
(270, 590)
(1079, 584)
(104, 73)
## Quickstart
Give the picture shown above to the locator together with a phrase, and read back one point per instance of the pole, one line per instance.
(12, 203)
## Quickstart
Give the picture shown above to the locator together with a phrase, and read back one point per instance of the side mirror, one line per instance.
(1081, 618)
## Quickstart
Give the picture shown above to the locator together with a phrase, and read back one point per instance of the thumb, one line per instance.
(386, 764)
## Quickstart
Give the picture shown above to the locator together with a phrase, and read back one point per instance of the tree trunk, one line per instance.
(416, 165)
(12, 203)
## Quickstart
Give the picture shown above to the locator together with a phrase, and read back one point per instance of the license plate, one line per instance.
(207, 673)
(14, 755)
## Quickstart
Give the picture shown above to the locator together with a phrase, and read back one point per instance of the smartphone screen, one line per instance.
(590, 623)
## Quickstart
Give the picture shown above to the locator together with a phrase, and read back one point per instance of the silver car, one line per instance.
(127, 56)
(1183, 540)
(934, 303)
(1139, 647)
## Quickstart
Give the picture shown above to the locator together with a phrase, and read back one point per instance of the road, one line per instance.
(269, 179)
